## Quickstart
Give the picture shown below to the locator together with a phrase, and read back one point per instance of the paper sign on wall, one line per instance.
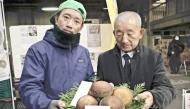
(28, 35)
(93, 35)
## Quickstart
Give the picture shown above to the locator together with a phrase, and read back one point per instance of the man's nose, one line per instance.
(70, 24)
(125, 38)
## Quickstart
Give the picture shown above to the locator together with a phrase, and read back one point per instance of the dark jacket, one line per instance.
(50, 68)
(147, 66)
(176, 47)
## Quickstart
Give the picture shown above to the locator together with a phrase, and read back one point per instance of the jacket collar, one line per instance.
(117, 51)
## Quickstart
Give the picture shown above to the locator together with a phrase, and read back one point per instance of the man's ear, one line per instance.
(56, 19)
(114, 32)
(142, 30)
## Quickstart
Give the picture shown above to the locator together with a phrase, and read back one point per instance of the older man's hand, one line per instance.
(149, 99)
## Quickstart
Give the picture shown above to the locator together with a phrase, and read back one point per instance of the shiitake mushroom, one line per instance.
(100, 89)
(86, 100)
(124, 94)
(113, 102)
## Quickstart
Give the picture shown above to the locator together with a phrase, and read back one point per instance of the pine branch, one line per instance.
(124, 85)
(68, 96)
(95, 79)
(137, 104)
(138, 89)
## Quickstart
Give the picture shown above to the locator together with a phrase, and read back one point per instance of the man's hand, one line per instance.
(149, 99)
(56, 104)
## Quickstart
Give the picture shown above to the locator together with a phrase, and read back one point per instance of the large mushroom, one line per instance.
(86, 100)
(101, 89)
(124, 94)
(113, 102)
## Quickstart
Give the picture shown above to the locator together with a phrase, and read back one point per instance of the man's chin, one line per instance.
(127, 49)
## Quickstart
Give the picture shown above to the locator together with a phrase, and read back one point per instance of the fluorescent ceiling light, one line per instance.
(50, 8)
(105, 8)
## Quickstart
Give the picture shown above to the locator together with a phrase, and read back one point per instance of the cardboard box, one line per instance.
(185, 44)
(164, 51)
(159, 42)
(186, 50)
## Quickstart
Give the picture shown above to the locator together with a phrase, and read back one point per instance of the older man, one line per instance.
(54, 64)
(132, 63)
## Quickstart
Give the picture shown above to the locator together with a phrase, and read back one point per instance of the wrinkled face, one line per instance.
(69, 21)
(127, 35)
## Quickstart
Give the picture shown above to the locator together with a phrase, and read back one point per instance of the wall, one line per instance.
(32, 16)
(20, 48)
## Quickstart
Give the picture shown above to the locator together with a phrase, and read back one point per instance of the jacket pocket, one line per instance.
(81, 70)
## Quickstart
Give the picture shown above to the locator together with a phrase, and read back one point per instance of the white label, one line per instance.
(82, 90)
(97, 107)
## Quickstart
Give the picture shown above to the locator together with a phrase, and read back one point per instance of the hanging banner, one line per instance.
(4, 61)
(4, 66)
(113, 12)
(1, 40)
(1, 32)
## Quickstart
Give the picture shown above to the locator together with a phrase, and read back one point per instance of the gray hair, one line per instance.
(122, 17)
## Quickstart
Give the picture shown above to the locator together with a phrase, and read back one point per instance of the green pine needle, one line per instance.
(137, 104)
(124, 85)
(138, 89)
(68, 96)
(95, 79)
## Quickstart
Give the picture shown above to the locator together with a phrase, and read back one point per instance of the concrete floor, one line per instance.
(180, 82)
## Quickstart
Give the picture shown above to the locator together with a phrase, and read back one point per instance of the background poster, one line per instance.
(94, 59)
(93, 36)
(28, 35)
(4, 66)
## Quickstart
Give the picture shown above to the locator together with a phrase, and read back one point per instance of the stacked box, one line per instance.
(163, 47)
(164, 52)
(185, 45)
(186, 50)
(185, 55)
(159, 42)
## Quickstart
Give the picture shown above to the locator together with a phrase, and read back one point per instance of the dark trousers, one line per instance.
(174, 63)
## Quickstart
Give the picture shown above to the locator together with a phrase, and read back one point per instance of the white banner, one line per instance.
(1, 32)
(1, 40)
(4, 66)
(187, 100)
